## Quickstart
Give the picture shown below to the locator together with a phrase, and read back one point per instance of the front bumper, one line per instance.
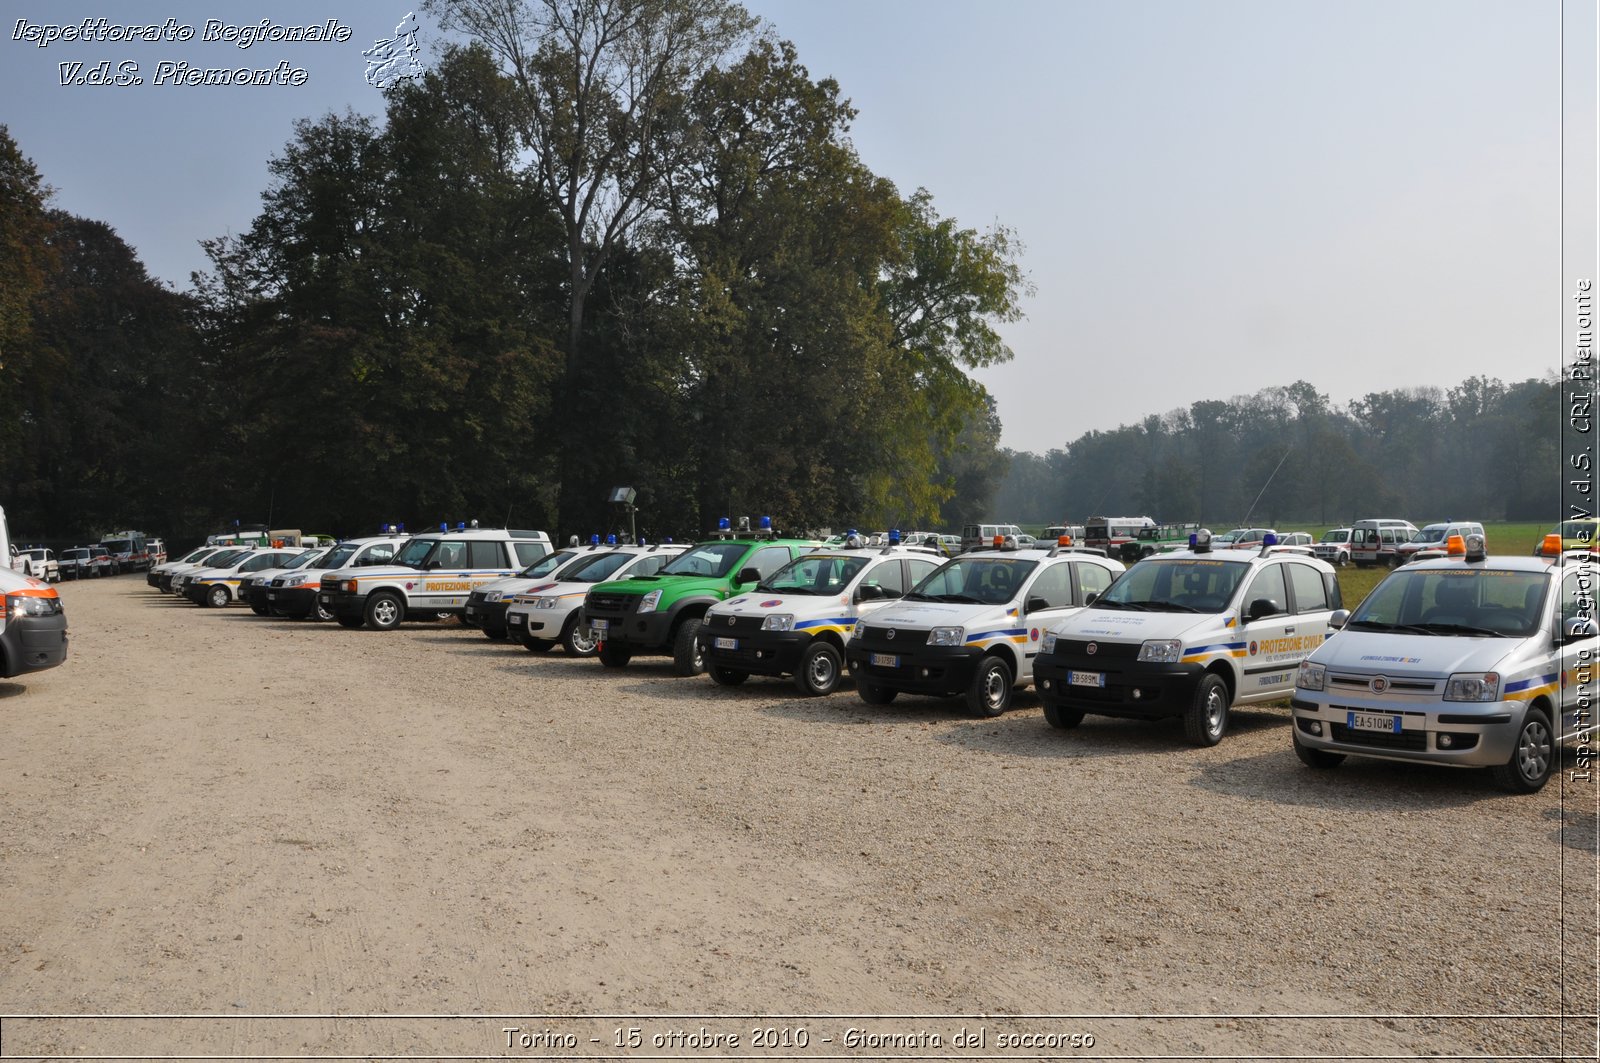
(342, 603)
(754, 651)
(291, 601)
(916, 669)
(490, 616)
(1132, 688)
(33, 643)
(640, 632)
(1479, 734)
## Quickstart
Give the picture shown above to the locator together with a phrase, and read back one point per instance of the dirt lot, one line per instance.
(259, 823)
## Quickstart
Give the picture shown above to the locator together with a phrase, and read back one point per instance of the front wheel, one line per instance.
(1531, 759)
(819, 671)
(1059, 716)
(614, 656)
(498, 634)
(575, 638)
(318, 611)
(533, 645)
(686, 656)
(217, 596)
(1207, 716)
(350, 621)
(990, 692)
(726, 677)
(384, 612)
(259, 610)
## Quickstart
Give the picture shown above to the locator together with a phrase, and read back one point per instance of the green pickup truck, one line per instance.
(661, 614)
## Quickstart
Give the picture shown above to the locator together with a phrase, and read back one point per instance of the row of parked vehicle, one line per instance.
(110, 558)
(1457, 659)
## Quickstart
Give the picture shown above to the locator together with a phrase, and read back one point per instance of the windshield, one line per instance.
(77, 552)
(415, 552)
(200, 554)
(815, 574)
(1455, 601)
(977, 580)
(119, 546)
(548, 564)
(224, 558)
(708, 559)
(1183, 585)
(1234, 536)
(339, 556)
(596, 568)
(310, 559)
(1429, 535)
(1338, 535)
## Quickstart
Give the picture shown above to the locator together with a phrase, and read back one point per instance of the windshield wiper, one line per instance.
(1458, 629)
(1379, 625)
(962, 598)
(1173, 607)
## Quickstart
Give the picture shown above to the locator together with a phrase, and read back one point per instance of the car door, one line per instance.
(1271, 657)
(1050, 597)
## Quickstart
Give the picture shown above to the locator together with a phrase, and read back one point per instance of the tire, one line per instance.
(575, 638)
(384, 611)
(1532, 758)
(318, 611)
(1206, 719)
(533, 645)
(614, 656)
(218, 596)
(820, 669)
(259, 610)
(990, 692)
(873, 694)
(350, 621)
(1059, 716)
(494, 634)
(726, 677)
(1342, 560)
(687, 659)
(1320, 759)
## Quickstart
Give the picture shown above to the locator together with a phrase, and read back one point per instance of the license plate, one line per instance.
(272, 596)
(727, 644)
(514, 620)
(325, 599)
(1086, 679)
(885, 660)
(471, 611)
(1373, 721)
(599, 627)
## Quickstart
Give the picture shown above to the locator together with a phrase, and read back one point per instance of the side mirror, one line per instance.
(749, 575)
(1578, 627)
(1338, 619)
(1036, 603)
(1263, 607)
(870, 592)
(1091, 597)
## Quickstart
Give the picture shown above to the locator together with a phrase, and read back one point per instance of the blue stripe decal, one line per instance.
(1216, 646)
(1537, 681)
(1003, 632)
(838, 621)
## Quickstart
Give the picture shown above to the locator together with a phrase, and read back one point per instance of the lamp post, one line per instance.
(624, 496)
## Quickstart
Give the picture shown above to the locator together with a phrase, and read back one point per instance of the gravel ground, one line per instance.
(261, 823)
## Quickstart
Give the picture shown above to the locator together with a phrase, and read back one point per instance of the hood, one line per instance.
(675, 585)
(1124, 625)
(759, 603)
(1415, 656)
(940, 614)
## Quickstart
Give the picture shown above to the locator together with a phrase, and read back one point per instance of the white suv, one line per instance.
(1466, 660)
(973, 626)
(1190, 634)
(548, 611)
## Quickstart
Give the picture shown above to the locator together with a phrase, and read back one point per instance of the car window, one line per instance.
(528, 553)
(769, 559)
(1092, 579)
(918, 568)
(486, 554)
(888, 576)
(649, 565)
(1310, 595)
(1054, 585)
(1268, 583)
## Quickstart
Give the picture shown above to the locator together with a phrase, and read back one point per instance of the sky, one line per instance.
(1212, 197)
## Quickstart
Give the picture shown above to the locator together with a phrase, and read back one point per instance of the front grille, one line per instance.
(1397, 686)
(734, 625)
(1414, 740)
(607, 604)
(1103, 651)
(904, 638)
(476, 598)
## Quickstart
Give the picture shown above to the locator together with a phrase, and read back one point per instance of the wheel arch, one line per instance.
(1229, 680)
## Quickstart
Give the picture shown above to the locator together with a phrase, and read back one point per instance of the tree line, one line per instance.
(1482, 449)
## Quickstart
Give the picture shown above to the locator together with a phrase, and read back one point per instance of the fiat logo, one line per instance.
(889, 634)
(1091, 649)
(731, 620)
(1379, 684)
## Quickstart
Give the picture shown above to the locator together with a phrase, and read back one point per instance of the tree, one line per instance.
(598, 79)
(25, 259)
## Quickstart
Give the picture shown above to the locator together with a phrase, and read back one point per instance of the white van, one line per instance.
(1377, 541)
(982, 536)
(1434, 537)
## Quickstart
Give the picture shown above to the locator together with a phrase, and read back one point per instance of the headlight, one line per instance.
(21, 605)
(546, 603)
(1161, 651)
(1473, 686)
(349, 586)
(295, 581)
(1312, 676)
(947, 636)
(492, 596)
(778, 622)
(648, 603)
(1048, 643)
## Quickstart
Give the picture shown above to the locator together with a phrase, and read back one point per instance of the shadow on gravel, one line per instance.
(11, 690)
(1578, 829)
(1096, 736)
(844, 706)
(1358, 784)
